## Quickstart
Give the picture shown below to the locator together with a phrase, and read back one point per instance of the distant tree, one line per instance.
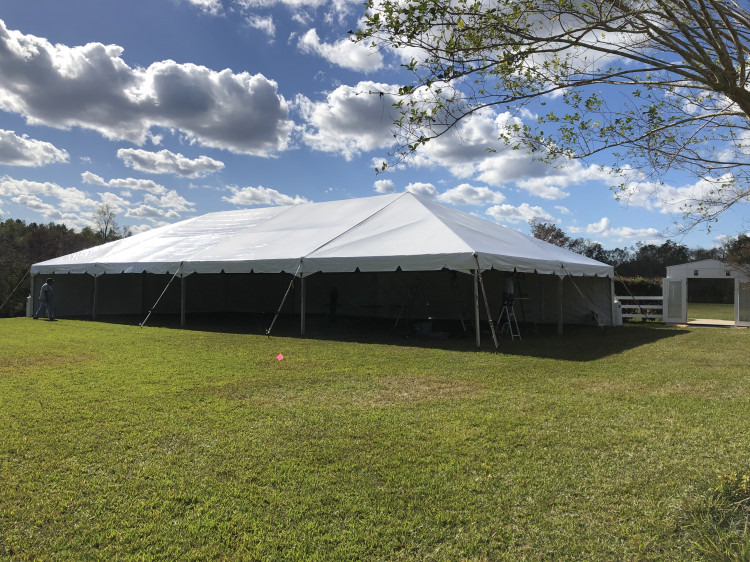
(549, 233)
(699, 254)
(105, 222)
(22, 245)
(651, 260)
(737, 252)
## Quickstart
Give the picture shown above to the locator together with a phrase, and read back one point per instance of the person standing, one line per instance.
(45, 300)
(509, 294)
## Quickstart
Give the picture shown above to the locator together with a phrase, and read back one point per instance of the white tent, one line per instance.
(389, 233)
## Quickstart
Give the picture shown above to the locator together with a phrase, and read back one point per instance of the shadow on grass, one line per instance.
(578, 343)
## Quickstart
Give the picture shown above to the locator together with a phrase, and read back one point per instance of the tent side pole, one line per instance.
(182, 300)
(302, 306)
(477, 330)
(93, 299)
(560, 307)
(33, 302)
(612, 297)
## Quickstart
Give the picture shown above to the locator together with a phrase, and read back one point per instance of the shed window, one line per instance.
(695, 272)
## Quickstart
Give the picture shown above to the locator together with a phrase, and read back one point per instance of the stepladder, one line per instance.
(507, 320)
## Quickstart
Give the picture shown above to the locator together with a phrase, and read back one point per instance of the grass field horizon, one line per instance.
(125, 442)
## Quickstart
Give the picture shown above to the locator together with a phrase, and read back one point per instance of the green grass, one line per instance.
(156, 443)
(708, 310)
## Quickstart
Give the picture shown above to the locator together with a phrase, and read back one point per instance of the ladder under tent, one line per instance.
(507, 320)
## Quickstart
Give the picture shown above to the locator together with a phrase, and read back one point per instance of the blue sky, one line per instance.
(168, 109)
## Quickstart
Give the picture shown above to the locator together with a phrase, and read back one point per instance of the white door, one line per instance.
(741, 303)
(675, 300)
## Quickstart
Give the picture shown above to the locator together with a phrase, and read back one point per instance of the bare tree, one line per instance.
(107, 227)
(650, 85)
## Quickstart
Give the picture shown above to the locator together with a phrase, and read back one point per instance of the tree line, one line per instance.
(22, 245)
(649, 261)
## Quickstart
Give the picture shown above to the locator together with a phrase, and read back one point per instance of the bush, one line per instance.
(638, 287)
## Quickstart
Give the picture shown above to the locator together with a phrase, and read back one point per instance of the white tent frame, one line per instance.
(374, 234)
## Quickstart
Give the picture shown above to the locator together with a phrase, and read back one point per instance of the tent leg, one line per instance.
(560, 308)
(182, 301)
(33, 279)
(93, 301)
(477, 330)
(302, 327)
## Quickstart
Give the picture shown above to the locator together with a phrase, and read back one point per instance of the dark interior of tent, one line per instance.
(436, 302)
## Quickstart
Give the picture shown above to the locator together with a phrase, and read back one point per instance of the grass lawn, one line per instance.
(122, 442)
(714, 311)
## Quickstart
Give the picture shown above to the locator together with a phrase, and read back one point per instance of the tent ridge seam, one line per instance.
(364, 220)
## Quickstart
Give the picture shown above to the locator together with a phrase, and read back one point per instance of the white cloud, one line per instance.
(171, 201)
(166, 162)
(92, 87)
(384, 186)
(423, 189)
(124, 183)
(248, 196)
(23, 151)
(604, 228)
(67, 205)
(264, 24)
(523, 213)
(473, 150)
(151, 213)
(212, 7)
(69, 198)
(75, 207)
(344, 53)
(669, 199)
(466, 194)
(352, 119)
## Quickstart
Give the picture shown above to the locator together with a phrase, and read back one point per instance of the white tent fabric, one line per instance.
(381, 233)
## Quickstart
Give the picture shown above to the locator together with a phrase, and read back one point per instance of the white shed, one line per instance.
(676, 282)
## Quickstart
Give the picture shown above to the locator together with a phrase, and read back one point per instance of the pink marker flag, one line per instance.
(279, 357)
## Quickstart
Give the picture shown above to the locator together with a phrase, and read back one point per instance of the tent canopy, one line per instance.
(382, 233)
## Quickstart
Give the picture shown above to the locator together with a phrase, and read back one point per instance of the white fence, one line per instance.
(648, 308)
